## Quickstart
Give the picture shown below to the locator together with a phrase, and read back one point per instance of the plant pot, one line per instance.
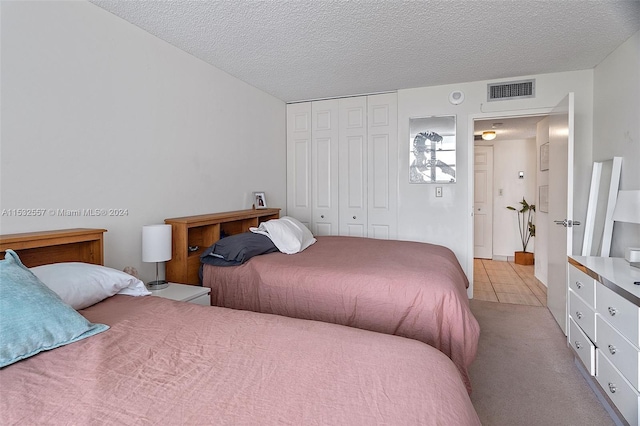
(523, 258)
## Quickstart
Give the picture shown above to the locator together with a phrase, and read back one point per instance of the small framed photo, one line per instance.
(544, 157)
(260, 201)
(544, 198)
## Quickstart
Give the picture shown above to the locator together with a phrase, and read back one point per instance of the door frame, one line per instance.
(471, 118)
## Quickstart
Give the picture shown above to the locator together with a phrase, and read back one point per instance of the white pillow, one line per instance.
(287, 234)
(84, 284)
(307, 236)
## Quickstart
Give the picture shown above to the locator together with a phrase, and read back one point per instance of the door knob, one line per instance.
(567, 223)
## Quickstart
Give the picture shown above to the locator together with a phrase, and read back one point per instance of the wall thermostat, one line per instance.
(456, 97)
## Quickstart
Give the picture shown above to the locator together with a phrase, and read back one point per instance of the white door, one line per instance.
(324, 167)
(382, 164)
(560, 215)
(483, 203)
(299, 162)
(353, 167)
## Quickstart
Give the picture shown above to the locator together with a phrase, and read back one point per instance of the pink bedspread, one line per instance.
(409, 289)
(172, 363)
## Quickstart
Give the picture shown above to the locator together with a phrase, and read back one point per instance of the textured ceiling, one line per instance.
(302, 50)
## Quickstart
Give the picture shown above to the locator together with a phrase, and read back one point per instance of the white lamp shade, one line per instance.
(627, 207)
(156, 243)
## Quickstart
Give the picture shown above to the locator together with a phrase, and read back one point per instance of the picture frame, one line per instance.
(260, 201)
(544, 157)
(543, 199)
(432, 149)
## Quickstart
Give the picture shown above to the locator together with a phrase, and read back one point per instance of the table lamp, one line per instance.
(156, 247)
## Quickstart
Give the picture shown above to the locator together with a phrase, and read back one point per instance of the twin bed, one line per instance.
(403, 288)
(167, 362)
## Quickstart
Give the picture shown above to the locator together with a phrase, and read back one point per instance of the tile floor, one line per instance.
(506, 282)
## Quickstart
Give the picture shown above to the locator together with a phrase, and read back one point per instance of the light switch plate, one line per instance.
(438, 191)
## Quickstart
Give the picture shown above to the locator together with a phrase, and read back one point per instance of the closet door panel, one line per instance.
(324, 167)
(383, 166)
(299, 162)
(342, 165)
(353, 166)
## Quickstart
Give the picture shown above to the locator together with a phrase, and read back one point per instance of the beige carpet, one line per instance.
(524, 373)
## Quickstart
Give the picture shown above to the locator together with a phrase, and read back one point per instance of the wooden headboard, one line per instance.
(66, 245)
(202, 231)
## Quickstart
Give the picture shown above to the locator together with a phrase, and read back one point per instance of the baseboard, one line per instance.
(502, 258)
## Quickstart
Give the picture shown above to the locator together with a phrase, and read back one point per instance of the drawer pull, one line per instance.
(354, 217)
(612, 387)
(612, 349)
(321, 216)
(578, 344)
(579, 284)
(612, 311)
(578, 314)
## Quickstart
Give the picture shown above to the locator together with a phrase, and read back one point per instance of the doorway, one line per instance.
(514, 175)
(506, 170)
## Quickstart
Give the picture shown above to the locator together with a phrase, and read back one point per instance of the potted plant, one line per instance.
(527, 230)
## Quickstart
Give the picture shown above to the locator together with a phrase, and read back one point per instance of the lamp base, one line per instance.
(157, 285)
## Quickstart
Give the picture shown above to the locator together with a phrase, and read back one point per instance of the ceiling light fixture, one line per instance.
(488, 136)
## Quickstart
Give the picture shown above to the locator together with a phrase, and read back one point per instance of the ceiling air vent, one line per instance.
(512, 90)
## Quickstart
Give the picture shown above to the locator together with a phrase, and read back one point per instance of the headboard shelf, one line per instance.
(203, 231)
(66, 245)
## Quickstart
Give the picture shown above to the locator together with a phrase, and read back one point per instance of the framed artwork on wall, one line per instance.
(543, 200)
(544, 156)
(260, 200)
(432, 153)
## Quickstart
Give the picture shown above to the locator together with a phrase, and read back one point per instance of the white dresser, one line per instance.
(604, 329)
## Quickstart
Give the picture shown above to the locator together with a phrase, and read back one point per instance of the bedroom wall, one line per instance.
(98, 114)
(616, 127)
(447, 220)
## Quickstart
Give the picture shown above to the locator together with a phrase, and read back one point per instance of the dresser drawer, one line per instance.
(622, 354)
(619, 312)
(583, 315)
(583, 285)
(623, 395)
(582, 346)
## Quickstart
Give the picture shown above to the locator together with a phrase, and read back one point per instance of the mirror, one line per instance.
(605, 179)
(432, 155)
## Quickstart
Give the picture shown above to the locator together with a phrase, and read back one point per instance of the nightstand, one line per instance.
(185, 293)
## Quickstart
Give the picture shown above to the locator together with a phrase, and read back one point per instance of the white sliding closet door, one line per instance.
(342, 165)
(299, 162)
(353, 167)
(382, 163)
(324, 166)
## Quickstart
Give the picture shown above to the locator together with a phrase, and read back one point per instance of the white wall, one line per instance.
(541, 269)
(97, 113)
(509, 158)
(448, 220)
(616, 125)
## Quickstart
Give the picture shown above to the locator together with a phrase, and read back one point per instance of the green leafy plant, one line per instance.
(525, 222)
